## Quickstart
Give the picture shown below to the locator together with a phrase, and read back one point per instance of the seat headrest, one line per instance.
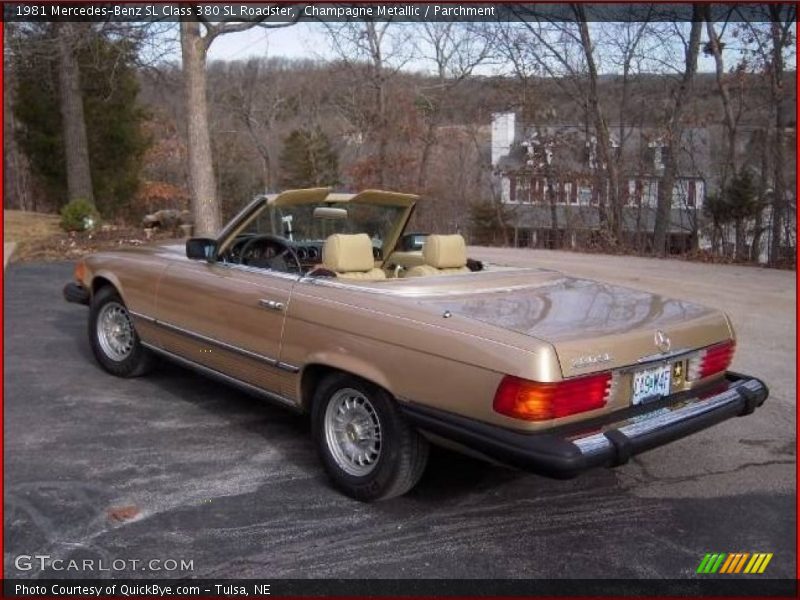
(445, 251)
(344, 253)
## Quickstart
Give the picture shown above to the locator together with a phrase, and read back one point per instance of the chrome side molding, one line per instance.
(272, 362)
(213, 373)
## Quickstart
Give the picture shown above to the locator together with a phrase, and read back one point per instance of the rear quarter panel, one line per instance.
(453, 364)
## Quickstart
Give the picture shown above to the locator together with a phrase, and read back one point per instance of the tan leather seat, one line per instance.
(350, 257)
(443, 255)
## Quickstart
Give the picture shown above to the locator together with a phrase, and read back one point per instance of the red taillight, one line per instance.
(535, 401)
(711, 360)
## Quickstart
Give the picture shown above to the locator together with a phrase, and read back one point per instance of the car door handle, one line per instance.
(272, 304)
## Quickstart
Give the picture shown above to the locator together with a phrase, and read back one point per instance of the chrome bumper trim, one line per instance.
(663, 418)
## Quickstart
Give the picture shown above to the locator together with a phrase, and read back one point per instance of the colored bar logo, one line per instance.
(738, 562)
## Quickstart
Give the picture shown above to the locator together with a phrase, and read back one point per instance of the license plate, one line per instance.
(651, 384)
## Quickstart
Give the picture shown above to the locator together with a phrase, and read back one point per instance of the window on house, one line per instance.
(650, 194)
(679, 194)
(591, 153)
(700, 193)
(535, 189)
(595, 196)
(584, 194)
(569, 198)
(658, 159)
(649, 156)
(524, 189)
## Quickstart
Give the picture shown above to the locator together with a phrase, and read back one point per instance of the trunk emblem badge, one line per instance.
(587, 361)
(663, 343)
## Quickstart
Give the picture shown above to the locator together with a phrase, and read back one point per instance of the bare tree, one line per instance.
(732, 113)
(258, 99)
(672, 133)
(16, 188)
(455, 52)
(564, 52)
(626, 45)
(601, 126)
(197, 35)
(714, 47)
(369, 51)
(782, 17)
(770, 41)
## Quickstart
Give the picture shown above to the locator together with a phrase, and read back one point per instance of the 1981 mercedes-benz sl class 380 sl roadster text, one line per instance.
(312, 299)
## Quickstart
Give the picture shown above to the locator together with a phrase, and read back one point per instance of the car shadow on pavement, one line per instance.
(449, 476)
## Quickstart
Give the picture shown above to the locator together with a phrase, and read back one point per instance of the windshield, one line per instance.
(298, 223)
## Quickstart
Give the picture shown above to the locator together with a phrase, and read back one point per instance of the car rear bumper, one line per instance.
(74, 292)
(606, 441)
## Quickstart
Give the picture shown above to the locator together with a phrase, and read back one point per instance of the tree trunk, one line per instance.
(374, 40)
(758, 226)
(76, 145)
(263, 152)
(779, 197)
(550, 193)
(601, 129)
(9, 197)
(741, 245)
(667, 182)
(205, 208)
(729, 170)
(383, 140)
(619, 158)
(428, 141)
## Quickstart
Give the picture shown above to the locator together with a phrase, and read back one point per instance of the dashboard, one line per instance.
(309, 252)
(277, 253)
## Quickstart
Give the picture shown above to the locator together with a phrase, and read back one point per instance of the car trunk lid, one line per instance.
(593, 326)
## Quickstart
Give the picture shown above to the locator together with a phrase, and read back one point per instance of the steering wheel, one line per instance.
(282, 251)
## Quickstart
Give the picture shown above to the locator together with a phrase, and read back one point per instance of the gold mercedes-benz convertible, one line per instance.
(318, 301)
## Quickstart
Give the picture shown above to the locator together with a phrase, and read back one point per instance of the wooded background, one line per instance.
(132, 117)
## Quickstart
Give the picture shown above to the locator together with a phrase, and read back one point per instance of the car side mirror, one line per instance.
(201, 248)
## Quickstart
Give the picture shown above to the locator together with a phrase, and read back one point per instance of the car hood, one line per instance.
(593, 326)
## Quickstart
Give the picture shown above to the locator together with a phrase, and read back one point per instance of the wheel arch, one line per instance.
(101, 279)
(320, 367)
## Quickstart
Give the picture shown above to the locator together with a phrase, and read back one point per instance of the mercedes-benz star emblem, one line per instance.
(663, 343)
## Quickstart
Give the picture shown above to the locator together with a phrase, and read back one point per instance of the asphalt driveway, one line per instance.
(175, 466)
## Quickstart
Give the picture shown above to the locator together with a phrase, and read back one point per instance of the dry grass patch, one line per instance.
(20, 226)
(29, 230)
(39, 237)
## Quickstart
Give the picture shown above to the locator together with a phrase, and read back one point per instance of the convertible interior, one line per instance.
(344, 237)
(346, 256)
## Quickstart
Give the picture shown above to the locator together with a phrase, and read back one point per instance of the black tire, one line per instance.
(403, 451)
(138, 361)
